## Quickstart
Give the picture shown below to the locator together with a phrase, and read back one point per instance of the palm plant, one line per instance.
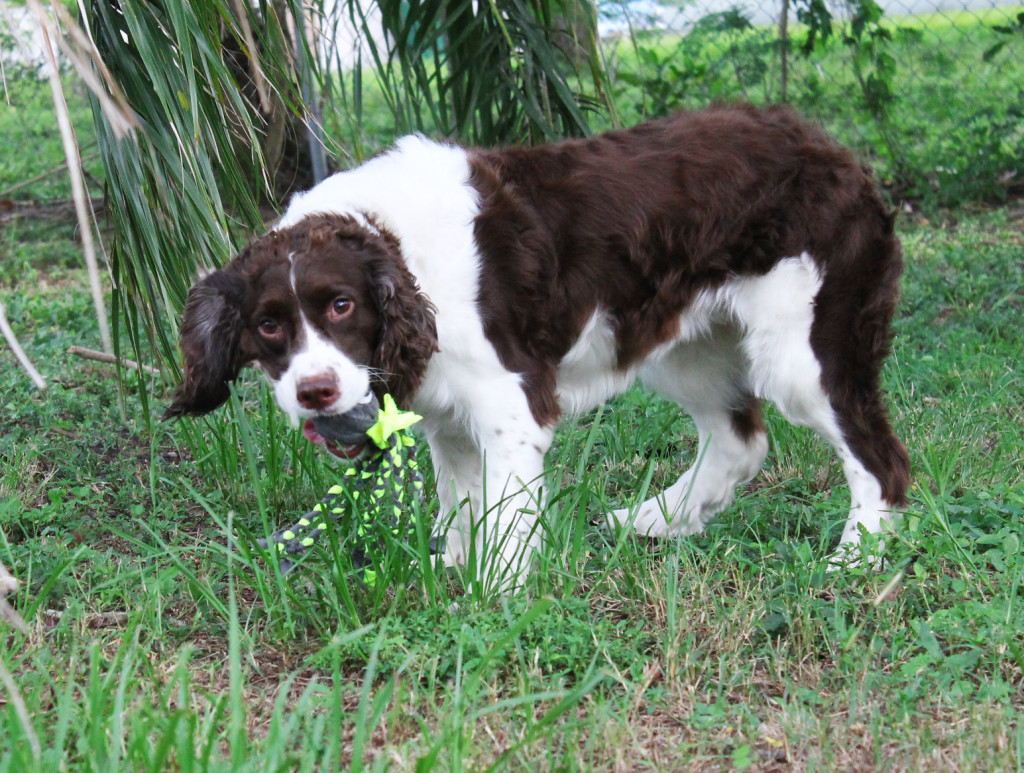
(486, 72)
(190, 176)
(223, 94)
(214, 86)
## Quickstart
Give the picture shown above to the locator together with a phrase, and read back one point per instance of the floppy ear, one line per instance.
(407, 337)
(211, 333)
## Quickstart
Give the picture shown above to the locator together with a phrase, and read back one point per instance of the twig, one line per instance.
(52, 617)
(5, 327)
(54, 209)
(784, 49)
(258, 78)
(106, 620)
(81, 51)
(92, 354)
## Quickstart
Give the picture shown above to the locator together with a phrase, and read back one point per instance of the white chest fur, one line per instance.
(588, 375)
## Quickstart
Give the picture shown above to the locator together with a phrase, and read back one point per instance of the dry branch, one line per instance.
(40, 177)
(92, 354)
(12, 341)
(78, 192)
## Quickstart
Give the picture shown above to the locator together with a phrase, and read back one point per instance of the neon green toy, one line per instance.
(378, 488)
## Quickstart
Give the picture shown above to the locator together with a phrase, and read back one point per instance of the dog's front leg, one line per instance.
(458, 470)
(489, 465)
(509, 530)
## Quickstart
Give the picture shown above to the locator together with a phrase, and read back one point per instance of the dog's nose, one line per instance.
(317, 392)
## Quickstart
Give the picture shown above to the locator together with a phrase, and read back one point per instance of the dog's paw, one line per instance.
(452, 553)
(615, 520)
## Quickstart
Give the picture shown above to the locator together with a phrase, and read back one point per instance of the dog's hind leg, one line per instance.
(816, 348)
(707, 377)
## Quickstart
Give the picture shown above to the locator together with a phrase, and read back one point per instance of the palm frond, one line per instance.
(489, 72)
(193, 175)
(217, 92)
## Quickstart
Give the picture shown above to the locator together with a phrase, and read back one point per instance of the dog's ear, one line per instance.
(211, 333)
(407, 336)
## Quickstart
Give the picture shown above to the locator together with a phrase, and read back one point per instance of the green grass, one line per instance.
(160, 641)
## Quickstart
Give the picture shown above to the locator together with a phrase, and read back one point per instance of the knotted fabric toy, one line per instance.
(378, 488)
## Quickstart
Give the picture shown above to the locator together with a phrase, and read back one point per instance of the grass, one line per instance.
(159, 641)
(31, 145)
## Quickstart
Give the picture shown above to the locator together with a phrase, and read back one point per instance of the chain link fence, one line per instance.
(931, 92)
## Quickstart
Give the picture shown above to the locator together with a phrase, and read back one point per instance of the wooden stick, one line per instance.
(5, 327)
(92, 354)
(78, 192)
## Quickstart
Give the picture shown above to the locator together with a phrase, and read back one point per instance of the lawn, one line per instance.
(159, 639)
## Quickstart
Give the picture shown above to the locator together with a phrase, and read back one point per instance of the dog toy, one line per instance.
(378, 487)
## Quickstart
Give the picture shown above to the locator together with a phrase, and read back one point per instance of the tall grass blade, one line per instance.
(14, 695)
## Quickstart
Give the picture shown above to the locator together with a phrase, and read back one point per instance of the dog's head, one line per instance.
(326, 308)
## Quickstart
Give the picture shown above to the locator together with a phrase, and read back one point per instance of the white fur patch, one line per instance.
(488, 451)
(420, 192)
(777, 311)
(587, 374)
(772, 308)
(318, 356)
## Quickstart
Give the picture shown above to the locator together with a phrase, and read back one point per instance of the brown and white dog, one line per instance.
(721, 257)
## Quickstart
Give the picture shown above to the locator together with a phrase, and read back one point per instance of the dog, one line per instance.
(721, 257)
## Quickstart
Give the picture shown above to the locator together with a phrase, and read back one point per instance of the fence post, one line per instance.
(784, 50)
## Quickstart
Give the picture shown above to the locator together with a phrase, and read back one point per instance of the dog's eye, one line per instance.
(340, 308)
(269, 328)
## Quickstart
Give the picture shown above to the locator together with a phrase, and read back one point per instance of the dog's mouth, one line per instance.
(309, 429)
(344, 434)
